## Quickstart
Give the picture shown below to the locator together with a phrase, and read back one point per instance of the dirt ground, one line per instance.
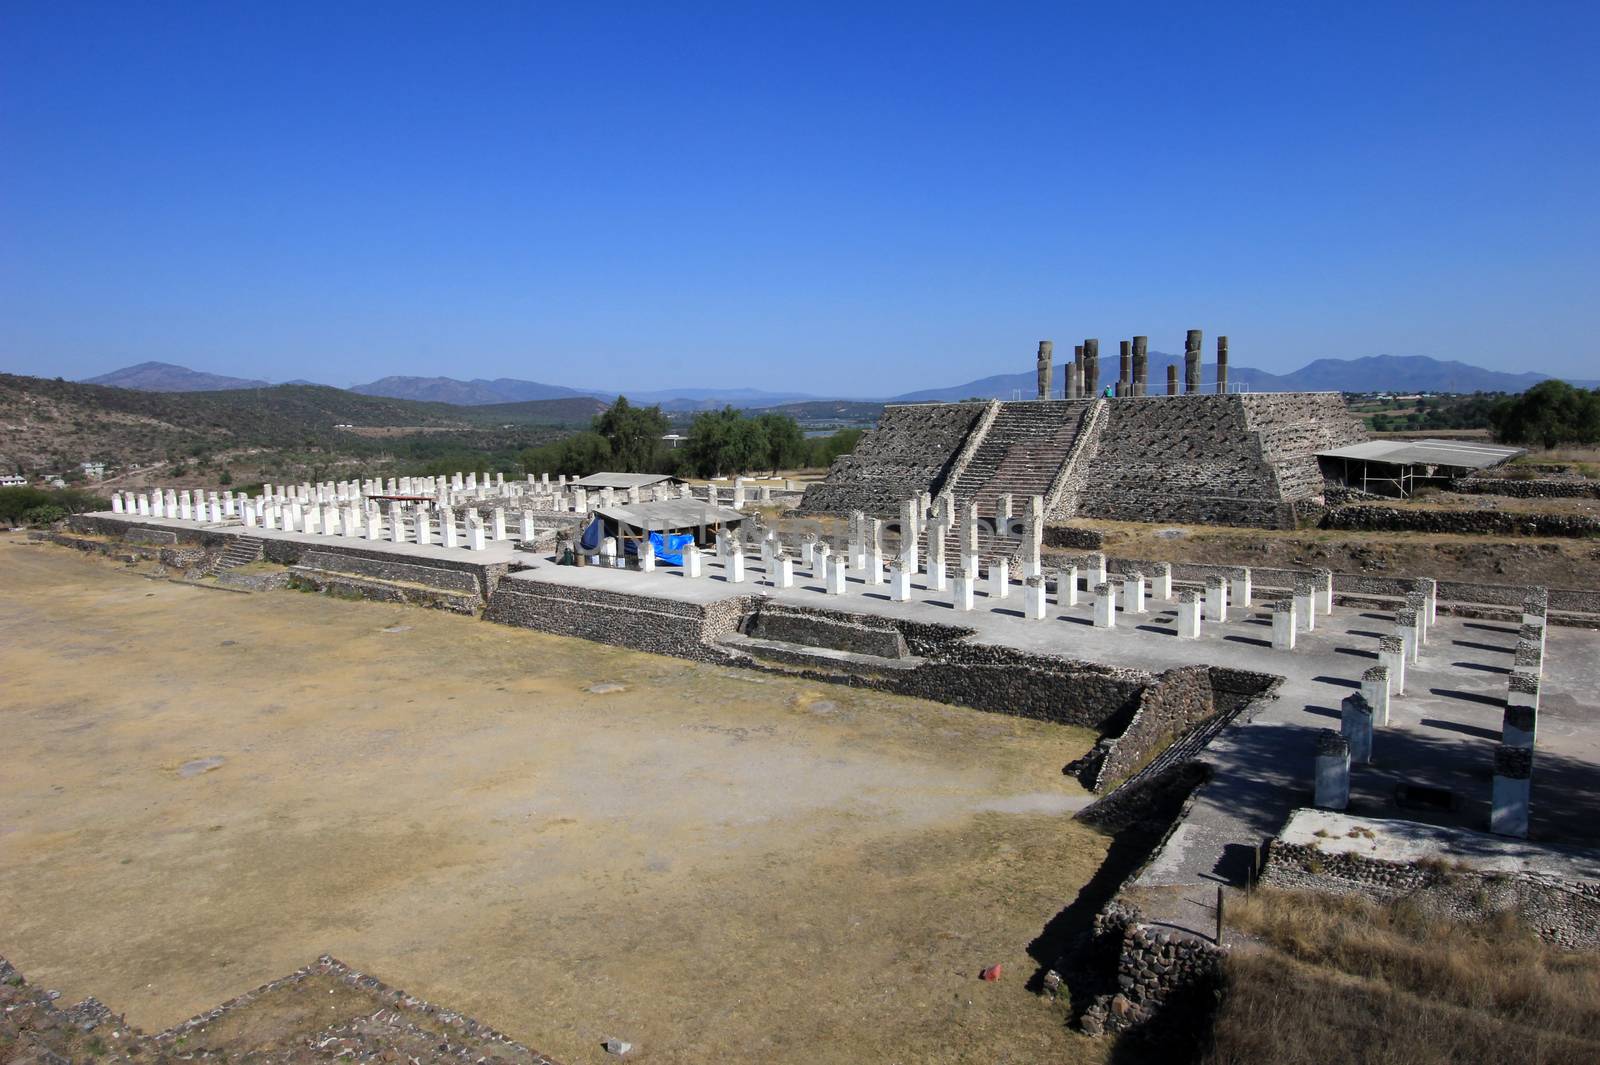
(205, 790)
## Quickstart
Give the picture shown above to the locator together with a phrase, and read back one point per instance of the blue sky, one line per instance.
(800, 197)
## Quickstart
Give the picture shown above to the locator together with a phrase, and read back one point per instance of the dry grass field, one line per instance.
(205, 790)
(1345, 980)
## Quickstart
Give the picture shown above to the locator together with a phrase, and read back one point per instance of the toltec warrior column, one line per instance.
(1046, 350)
(1091, 368)
(1191, 362)
(1222, 365)
(1141, 366)
(1125, 371)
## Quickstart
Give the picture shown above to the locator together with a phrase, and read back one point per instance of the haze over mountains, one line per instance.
(1387, 373)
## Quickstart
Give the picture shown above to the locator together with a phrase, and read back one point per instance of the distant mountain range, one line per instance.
(1374, 373)
(165, 377)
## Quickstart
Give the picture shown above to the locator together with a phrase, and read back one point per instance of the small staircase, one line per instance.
(241, 551)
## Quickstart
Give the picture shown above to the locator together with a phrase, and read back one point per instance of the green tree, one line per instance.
(632, 433)
(723, 442)
(1551, 413)
(785, 443)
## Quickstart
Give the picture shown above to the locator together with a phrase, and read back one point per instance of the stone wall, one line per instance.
(1358, 518)
(1537, 488)
(856, 633)
(639, 622)
(1564, 912)
(1178, 700)
(1158, 971)
(908, 452)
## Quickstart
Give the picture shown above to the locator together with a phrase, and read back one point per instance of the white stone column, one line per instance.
(1094, 565)
(527, 532)
(1520, 725)
(1189, 614)
(938, 576)
(608, 548)
(1067, 586)
(397, 524)
(962, 589)
(1332, 791)
(1216, 599)
(1284, 626)
(1355, 725)
(837, 584)
(1509, 805)
(899, 582)
(1305, 603)
(908, 537)
(477, 541)
(116, 503)
(1033, 538)
(1375, 689)
(1161, 582)
(968, 561)
(785, 572)
(872, 550)
(447, 528)
(691, 560)
(819, 568)
(999, 579)
(497, 523)
(1392, 656)
(1105, 605)
(143, 502)
(1324, 581)
(647, 556)
(1033, 599)
(1405, 627)
(1241, 593)
(734, 567)
(1133, 593)
(738, 493)
(423, 526)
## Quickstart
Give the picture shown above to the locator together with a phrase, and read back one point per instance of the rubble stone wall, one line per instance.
(1472, 522)
(910, 451)
(1564, 912)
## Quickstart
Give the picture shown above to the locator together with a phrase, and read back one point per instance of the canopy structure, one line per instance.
(624, 481)
(1395, 466)
(672, 515)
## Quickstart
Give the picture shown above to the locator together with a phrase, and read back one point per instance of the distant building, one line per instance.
(12, 480)
(674, 439)
(95, 471)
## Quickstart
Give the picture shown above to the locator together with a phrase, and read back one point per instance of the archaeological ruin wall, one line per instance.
(1236, 459)
(910, 451)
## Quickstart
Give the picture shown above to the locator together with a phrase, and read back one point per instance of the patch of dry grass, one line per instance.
(1343, 979)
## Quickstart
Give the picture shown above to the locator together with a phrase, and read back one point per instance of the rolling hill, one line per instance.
(166, 377)
(476, 392)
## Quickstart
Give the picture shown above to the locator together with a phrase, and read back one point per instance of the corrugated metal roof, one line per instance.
(672, 514)
(623, 480)
(1458, 453)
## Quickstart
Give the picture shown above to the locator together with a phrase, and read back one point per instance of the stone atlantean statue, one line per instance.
(1042, 364)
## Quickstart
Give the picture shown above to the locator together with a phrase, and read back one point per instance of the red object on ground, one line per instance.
(991, 974)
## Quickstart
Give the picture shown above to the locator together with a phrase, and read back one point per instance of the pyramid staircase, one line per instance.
(1021, 455)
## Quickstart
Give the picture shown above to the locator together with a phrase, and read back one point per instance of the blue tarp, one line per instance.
(669, 547)
(590, 540)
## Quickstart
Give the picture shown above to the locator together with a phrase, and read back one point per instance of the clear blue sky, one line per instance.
(791, 196)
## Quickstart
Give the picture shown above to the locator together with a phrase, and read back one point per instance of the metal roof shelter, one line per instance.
(624, 481)
(1376, 465)
(670, 515)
